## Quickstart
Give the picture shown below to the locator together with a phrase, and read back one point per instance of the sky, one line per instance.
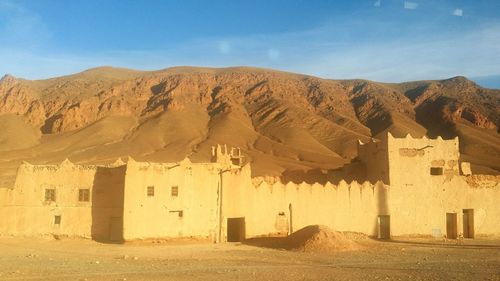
(381, 40)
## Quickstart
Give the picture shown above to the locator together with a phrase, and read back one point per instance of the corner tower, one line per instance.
(413, 160)
(405, 161)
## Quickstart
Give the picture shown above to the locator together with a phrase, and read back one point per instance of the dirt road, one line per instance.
(416, 259)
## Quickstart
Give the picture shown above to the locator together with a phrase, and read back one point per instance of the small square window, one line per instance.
(50, 195)
(57, 220)
(83, 195)
(151, 191)
(174, 191)
(436, 171)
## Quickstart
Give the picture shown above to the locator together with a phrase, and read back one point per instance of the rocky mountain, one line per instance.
(282, 121)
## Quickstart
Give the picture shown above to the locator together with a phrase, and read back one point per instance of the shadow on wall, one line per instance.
(350, 172)
(107, 204)
(382, 228)
(309, 176)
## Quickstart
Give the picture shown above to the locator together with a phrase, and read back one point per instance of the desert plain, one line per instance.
(400, 259)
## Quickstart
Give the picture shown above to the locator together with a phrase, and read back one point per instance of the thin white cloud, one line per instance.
(273, 54)
(410, 5)
(309, 52)
(404, 59)
(6, 5)
(22, 33)
(377, 3)
(458, 12)
(20, 26)
(224, 47)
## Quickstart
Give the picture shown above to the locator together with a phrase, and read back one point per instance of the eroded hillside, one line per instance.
(282, 121)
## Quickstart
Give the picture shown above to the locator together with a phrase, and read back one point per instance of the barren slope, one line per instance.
(282, 121)
(448, 108)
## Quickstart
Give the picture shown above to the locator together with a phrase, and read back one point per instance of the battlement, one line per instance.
(221, 156)
(389, 139)
(66, 165)
(423, 143)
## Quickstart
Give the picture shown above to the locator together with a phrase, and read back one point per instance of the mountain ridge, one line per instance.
(283, 121)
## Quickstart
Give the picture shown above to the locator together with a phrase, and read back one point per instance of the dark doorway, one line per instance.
(451, 225)
(236, 229)
(468, 223)
(384, 227)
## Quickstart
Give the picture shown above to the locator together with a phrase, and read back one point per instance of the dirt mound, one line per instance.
(312, 238)
(319, 238)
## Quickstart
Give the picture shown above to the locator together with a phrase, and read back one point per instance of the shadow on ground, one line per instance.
(269, 242)
(467, 244)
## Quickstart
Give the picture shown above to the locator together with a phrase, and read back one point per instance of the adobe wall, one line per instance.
(356, 207)
(159, 215)
(268, 207)
(416, 201)
(25, 211)
(433, 197)
(210, 193)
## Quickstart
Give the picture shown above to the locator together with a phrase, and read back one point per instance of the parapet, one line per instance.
(232, 157)
(409, 139)
(66, 164)
(407, 142)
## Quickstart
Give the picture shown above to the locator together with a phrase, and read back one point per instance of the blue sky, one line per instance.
(383, 40)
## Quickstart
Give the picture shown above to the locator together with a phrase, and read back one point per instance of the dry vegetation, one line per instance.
(284, 122)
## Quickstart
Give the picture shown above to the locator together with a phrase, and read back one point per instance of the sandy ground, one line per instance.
(414, 259)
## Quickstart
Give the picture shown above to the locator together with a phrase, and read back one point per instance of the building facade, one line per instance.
(413, 187)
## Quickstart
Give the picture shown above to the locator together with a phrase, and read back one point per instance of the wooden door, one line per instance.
(384, 227)
(451, 225)
(468, 223)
